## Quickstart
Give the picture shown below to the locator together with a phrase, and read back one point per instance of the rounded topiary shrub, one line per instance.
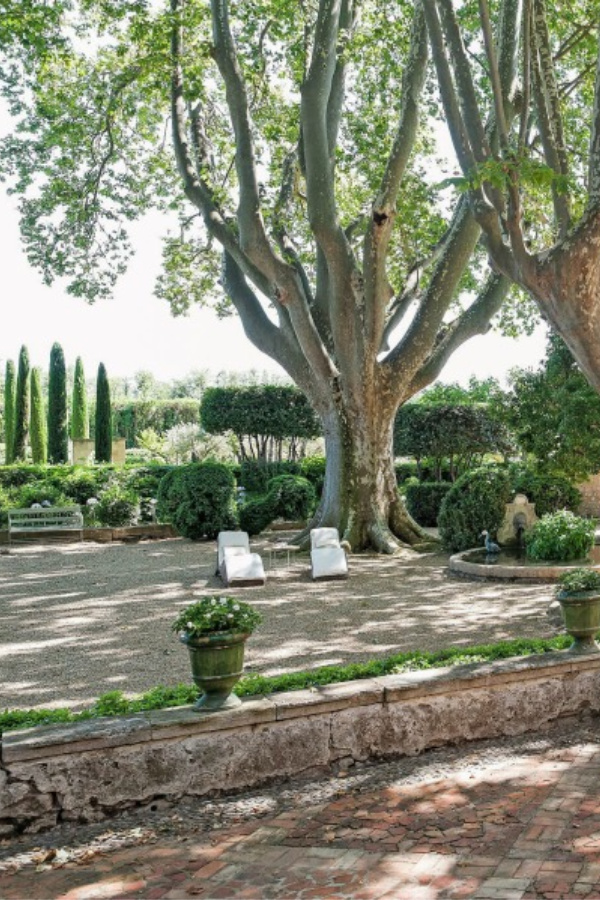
(294, 497)
(549, 493)
(257, 514)
(477, 501)
(560, 536)
(199, 499)
(424, 501)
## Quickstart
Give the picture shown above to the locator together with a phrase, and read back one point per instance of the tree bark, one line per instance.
(360, 496)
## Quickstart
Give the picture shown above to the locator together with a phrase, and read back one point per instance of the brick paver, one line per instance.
(525, 826)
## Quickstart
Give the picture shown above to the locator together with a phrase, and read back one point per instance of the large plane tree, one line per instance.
(547, 136)
(286, 135)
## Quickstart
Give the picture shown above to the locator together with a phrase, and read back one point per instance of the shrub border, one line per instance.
(163, 697)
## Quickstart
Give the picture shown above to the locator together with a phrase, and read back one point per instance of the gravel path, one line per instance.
(77, 620)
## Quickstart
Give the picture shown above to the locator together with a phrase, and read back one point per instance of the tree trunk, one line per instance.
(360, 496)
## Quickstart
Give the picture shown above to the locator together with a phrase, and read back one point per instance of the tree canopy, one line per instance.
(294, 143)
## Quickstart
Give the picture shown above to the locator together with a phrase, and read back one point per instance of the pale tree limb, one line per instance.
(551, 124)
(196, 189)
(253, 238)
(376, 241)
(465, 88)
(594, 166)
(473, 321)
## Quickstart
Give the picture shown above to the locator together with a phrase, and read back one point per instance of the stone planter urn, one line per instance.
(217, 664)
(581, 614)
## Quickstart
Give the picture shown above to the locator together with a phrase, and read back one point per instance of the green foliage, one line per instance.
(255, 474)
(38, 492)
(9, 411)
(58, 431)
(116, 508)
(294, 497)
(288, 497)
(576, 581)
(560, 536)
(475, 503)
(38, 433)
(555, 414)
(424, 501)
(211, 615)
(163, 697)
(103, 429)
(198, 499)
(22, 408)
(549, 492)
(80, 420)
(457, 435)
(133, 417)
(257, 514)
(260, 416)
(313, 468)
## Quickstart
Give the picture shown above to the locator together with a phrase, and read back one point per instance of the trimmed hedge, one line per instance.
(549, 492)
(114, 703)
(255, 474)
(424, 501)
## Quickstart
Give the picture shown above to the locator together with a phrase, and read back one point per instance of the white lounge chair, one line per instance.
(235, 563)
(327, 556)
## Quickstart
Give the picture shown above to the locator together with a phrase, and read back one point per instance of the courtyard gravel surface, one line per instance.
(77, 620)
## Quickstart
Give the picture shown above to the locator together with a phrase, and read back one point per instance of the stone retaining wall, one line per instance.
(88, 770)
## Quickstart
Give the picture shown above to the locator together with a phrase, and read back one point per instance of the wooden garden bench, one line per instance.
(55, 519)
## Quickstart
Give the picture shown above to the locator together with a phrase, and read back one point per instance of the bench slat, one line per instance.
(57, 518)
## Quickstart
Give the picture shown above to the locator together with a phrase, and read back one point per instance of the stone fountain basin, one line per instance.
(512, 564)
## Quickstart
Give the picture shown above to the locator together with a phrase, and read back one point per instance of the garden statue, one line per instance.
(490, 546)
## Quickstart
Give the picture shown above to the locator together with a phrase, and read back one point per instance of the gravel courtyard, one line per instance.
(77, 620)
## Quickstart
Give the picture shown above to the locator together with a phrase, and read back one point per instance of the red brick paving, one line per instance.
(526, 827)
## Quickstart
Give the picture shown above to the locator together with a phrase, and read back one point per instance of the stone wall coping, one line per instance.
(180, 722)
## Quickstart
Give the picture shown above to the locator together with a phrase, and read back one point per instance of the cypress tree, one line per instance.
(58, 434)
(21, 408)
(80, 423)
(9, 412)
(103, 417)
(38, 436)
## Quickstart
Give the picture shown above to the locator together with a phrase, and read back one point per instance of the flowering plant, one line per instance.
(216, 614)
(578, 580)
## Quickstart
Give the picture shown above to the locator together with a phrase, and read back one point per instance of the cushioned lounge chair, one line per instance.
(327, 556)
(235, 563)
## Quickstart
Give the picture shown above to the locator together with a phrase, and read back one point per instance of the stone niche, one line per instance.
(519, 513)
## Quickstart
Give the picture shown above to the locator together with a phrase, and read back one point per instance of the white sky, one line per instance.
(136, 331)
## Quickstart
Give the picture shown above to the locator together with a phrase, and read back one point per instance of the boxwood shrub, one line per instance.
(477, 501)
(549, 493)
(199, 499)
(424, 501)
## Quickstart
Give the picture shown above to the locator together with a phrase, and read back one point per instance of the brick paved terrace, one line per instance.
(511, 819)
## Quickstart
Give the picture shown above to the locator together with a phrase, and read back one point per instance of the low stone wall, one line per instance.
(88, 770)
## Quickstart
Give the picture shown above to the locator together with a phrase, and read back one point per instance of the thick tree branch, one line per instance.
(410, 292)
(314, 106)
(497, 91)
(473, 321)
(465, 88)
(376, 242)
(259, 329)
(253, 238)
(419, 339)
(195, 186)
(456, 124)
(594, 166)
(550, 117)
